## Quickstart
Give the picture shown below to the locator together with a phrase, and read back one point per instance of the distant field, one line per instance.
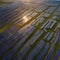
(5, 3)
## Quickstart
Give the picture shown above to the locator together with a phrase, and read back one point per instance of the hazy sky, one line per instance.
(45, 0)
(38, 0)
(30, 0)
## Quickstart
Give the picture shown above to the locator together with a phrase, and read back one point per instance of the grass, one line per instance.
(5, 28)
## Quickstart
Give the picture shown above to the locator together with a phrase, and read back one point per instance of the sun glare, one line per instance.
(25, 18)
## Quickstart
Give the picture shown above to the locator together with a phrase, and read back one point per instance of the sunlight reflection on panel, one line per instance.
(25, 19)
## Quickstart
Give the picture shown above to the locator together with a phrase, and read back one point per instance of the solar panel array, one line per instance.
(30, 31)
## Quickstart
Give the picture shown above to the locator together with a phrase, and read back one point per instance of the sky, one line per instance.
(37, 0)
(29, 0)
(40, 0)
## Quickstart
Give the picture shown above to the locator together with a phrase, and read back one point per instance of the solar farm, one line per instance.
(30, 31)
